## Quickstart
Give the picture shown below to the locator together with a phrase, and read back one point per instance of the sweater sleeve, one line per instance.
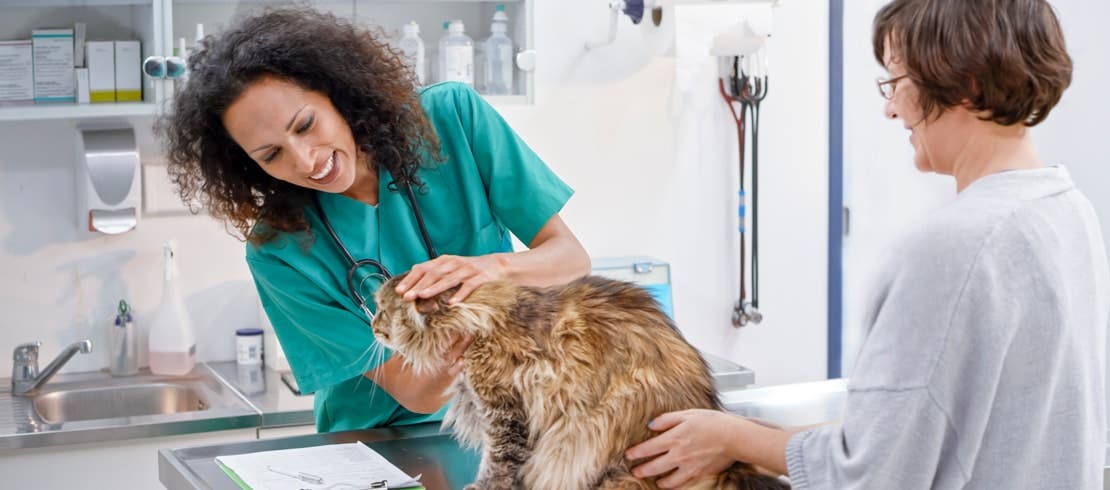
(888, 439)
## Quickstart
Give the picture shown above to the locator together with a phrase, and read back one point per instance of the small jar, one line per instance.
(248, 346)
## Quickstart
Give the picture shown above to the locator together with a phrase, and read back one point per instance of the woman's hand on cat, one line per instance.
(455, 354)
(695, 444)
(435, 276)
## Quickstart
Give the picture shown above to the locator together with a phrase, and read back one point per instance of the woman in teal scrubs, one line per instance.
(292, 113)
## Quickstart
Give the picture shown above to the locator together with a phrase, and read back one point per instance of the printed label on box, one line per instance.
(17, 79)
(53, 60)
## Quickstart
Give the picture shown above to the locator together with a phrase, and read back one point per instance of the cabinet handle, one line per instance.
(526, 60)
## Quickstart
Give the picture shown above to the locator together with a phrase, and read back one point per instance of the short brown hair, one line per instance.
(1006, 57)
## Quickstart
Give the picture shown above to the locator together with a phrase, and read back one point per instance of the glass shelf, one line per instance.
(75, 111)
(71, 3)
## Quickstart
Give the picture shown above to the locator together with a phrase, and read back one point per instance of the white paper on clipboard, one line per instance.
(351, 465)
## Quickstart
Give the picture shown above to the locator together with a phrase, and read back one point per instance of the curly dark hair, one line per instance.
(366, 80)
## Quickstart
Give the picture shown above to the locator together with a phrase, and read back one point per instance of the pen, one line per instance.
(300, 475)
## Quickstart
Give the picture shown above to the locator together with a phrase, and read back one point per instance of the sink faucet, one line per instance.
(26, 378)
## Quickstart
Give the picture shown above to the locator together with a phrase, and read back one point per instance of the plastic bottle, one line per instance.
(456, 50)
(412, 47)
(172, 343)
(498, 59)
(123, 345)
(436, 56)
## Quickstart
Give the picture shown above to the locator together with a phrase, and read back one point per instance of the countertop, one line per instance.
(22, 426)
(237, 397)
(424, 449)
(263, 389)
(418, 449)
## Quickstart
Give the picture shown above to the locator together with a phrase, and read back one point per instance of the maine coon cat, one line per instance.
(559, 381)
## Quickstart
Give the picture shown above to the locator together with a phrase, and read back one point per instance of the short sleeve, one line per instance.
(524, 193)
(324, 342)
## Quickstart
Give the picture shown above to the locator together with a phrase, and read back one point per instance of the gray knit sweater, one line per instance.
(984, 361)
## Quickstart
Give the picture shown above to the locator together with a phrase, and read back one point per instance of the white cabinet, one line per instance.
(160, 24)
(121, 465)
(105, 20)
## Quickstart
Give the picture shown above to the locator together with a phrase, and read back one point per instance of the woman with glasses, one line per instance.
(983, 364)
(305, 133)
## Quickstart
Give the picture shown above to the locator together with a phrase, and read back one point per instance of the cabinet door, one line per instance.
(121, 465)
(104, 20)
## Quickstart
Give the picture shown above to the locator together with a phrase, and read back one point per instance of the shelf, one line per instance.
(71, 3)
(506, 100)
(277, 2)
(75, 111)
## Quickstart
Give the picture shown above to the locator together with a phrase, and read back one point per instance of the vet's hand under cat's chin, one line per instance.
(428, 279)
(455, 354)
(693, 443)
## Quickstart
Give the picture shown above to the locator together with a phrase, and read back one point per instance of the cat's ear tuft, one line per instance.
(425, 306)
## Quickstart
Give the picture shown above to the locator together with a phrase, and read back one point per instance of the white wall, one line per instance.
(884, 191)
(654, 174)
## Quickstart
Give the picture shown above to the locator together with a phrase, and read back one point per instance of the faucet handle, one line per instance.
(27, 352)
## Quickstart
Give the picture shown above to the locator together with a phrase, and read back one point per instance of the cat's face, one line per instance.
(422, 330)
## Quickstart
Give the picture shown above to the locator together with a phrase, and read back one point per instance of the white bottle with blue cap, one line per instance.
(498, 50)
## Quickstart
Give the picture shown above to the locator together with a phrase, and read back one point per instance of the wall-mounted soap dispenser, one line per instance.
(109, 182)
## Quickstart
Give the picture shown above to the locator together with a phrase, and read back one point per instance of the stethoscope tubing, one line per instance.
(355, 265)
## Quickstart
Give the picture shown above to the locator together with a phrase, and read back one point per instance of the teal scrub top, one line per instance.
(490, 184)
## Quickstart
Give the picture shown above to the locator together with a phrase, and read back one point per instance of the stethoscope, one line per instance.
(382, 272)
(747, 85)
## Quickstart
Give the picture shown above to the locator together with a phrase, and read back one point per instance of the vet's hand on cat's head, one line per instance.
(429, 279)
(432, 334)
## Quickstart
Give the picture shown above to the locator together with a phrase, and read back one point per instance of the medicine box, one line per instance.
(100, 58)
(52, 51)
(17, 82)
(129, 81)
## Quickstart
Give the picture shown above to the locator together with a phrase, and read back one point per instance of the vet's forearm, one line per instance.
(419, 393)
(555, 257)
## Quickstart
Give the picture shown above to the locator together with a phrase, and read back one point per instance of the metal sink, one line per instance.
(117, 401)
(75, 408)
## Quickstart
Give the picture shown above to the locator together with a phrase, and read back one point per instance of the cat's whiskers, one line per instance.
(374, 353)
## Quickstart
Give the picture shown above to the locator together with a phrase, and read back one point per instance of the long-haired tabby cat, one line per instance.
(559, 381)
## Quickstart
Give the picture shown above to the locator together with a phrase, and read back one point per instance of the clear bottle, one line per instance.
(498, 59)
(412, 47)
(436, 55)
(172, 343)
(456, 51)
(123, 345)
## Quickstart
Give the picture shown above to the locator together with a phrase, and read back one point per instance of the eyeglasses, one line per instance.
(887, 86)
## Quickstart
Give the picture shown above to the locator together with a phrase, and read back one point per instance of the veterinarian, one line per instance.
(984, 361)
(304, 133)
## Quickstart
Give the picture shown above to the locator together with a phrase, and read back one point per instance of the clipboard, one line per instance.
(348, 466)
